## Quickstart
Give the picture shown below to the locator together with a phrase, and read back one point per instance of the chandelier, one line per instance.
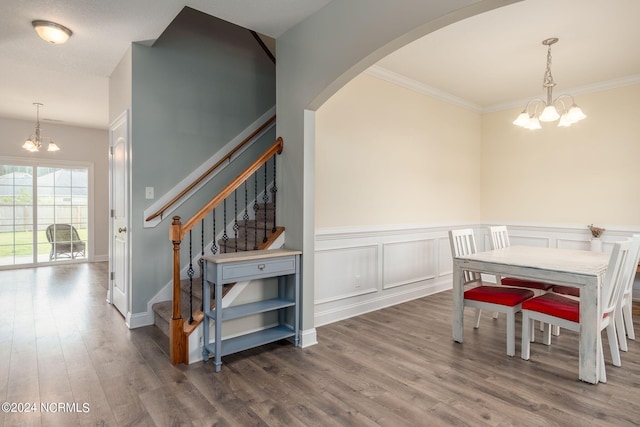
(538, 110)
(35, 141)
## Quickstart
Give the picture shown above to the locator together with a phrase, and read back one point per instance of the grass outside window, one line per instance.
(24, 240)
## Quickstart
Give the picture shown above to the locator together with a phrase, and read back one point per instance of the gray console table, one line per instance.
(245, 266)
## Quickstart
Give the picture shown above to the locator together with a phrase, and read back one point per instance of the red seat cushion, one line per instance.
(498, 295)
(566, 290)
(512, 281)
(555, 305)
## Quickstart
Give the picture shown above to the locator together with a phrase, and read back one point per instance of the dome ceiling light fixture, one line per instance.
(538, 110)
(34, 143)
(51, 32)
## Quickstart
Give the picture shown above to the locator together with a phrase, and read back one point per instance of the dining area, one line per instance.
(553, 290)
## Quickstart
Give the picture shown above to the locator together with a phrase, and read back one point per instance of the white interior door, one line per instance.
(119, 198)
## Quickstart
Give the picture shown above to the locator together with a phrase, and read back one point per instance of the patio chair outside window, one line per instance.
(65, 242)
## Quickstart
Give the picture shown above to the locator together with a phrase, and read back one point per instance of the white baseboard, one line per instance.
(358, 308)
(138, 320)
(308, 337)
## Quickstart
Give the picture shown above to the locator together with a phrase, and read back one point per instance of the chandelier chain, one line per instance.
(548, 78)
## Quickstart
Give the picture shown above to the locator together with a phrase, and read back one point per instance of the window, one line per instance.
(44, 214)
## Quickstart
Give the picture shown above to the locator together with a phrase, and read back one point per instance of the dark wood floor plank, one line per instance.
(60, 341)
(327, 399)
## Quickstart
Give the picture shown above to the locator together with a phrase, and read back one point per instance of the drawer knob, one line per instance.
(261, 266)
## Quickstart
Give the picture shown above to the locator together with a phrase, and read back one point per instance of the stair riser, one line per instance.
(161, 323)
(252, 225)
(231, 245)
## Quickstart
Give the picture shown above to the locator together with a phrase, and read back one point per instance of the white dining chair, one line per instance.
(554, 309)
(500, 299)
(500, 240)
(623, 313)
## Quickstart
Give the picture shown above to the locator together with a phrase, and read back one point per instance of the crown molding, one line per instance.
(579, 90)
(416, 86)
(411, 84)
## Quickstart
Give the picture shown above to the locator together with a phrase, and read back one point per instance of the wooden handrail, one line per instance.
(198, 180)
(178, 342)
(276, 148)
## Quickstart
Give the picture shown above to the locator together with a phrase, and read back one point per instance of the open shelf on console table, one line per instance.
(222, 269)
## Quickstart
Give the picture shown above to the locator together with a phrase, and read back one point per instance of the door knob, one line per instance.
(122, 230)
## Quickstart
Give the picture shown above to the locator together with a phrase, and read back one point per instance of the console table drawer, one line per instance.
(257, 269)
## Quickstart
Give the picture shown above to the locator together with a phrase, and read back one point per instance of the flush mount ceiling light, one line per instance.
(538, 110)
(35, 141)
(51, 32)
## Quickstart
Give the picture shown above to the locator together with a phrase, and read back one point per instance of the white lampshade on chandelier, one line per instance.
(35, 141)
(538, 110)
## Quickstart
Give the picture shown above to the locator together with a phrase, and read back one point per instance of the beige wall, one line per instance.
(587, 173)
(387, 155)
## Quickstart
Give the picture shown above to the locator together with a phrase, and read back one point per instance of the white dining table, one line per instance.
(582, 269)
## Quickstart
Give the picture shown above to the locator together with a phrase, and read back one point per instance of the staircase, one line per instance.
(252, 226)
(251, 235)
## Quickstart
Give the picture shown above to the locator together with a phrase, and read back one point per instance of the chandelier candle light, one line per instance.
(538, 110)
(35, 141)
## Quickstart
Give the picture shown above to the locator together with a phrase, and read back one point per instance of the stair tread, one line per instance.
(164, 310)
(252, 224)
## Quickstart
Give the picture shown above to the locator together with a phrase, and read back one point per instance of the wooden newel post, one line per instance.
(177, 344)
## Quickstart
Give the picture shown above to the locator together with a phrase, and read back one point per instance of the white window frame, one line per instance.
(66, 164)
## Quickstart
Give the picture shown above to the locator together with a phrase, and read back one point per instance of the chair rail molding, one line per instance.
(362, 269)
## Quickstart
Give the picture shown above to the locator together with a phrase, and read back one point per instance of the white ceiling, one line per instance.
(71, 80)
(497, 59)
(487, 61)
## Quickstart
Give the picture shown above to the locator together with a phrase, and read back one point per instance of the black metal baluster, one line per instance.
(274, 190)
(256, 207)
(190, 273)
(225, 237)
(245, 217)
(235, 218)
(201, 263)
(202, 240)
(214, 243)
(214, 250)
(265, 199)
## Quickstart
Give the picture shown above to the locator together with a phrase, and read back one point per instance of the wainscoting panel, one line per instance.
(573, 244)
(358, 270)
(408, 262)
(445, 263)
(516, 240)
(346, 273)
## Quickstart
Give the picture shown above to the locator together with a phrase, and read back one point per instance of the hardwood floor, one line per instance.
(60, 343)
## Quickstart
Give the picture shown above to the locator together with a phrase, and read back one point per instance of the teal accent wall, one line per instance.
(201, 83)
